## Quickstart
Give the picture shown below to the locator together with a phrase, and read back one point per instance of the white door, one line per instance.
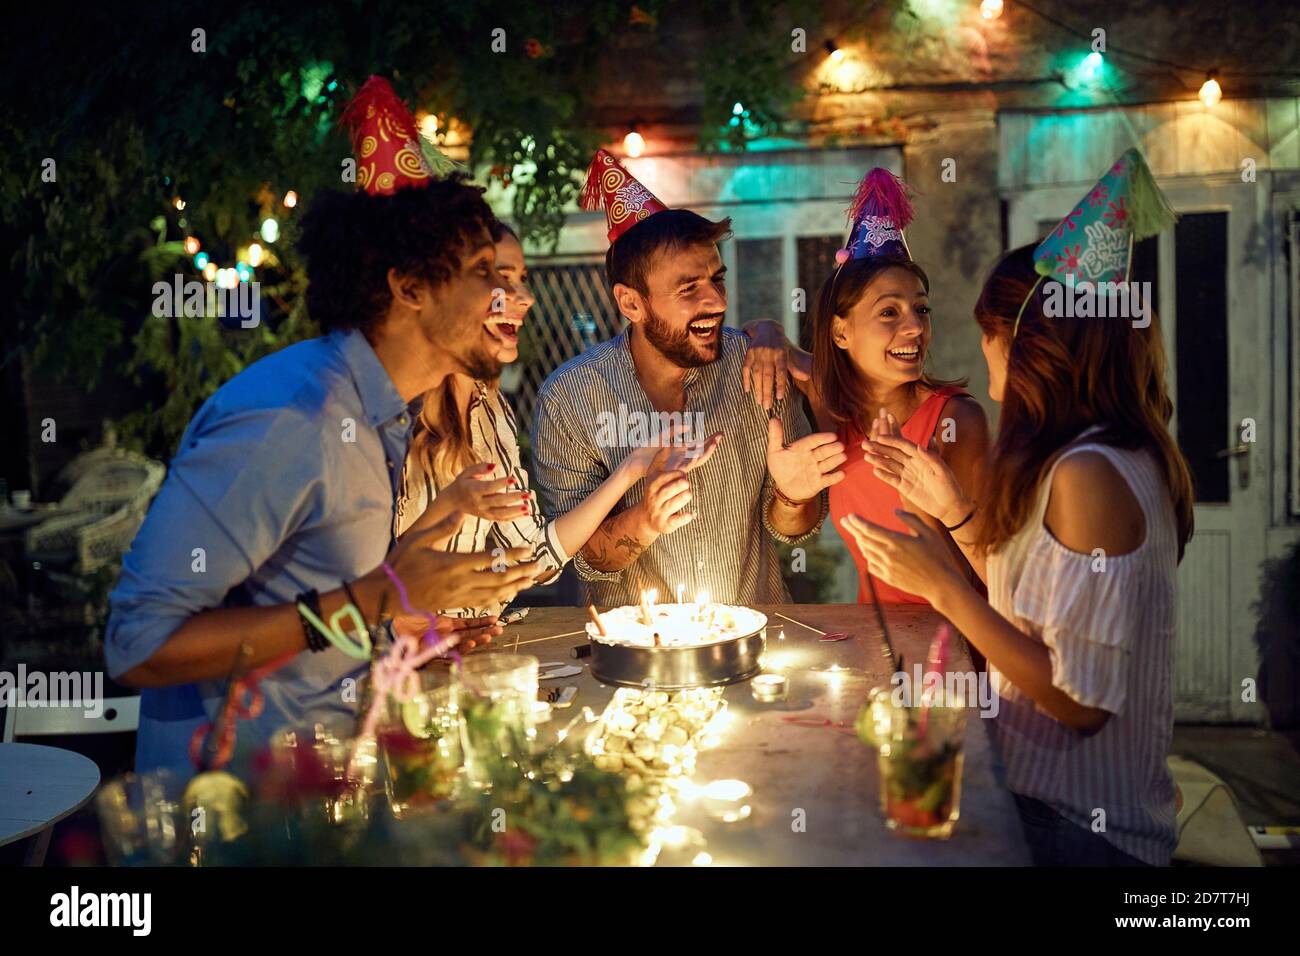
(1217, 337)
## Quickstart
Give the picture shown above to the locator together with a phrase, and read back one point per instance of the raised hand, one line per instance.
(802, 469)
(916, 560)
(683, 456)
(667, 494)
(921, 475)
(476, 492)
(437, 579)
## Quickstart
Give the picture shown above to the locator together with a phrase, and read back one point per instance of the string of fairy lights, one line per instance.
(1089, 69)
(250, 257)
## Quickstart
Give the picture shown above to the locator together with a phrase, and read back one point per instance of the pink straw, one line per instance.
(937, 662)
(395, 673)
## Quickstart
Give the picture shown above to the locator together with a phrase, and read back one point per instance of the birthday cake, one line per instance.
(676, 625)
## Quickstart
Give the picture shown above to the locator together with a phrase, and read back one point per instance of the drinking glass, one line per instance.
(420, 742)
(141, 820)
(326, 773)
(919, 755)
(495, 694)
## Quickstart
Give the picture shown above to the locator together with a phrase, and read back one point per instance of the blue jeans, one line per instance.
(1056, 841)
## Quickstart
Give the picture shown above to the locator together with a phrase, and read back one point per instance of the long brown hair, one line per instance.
(839, 383)
(1065, 374)
(441, 443)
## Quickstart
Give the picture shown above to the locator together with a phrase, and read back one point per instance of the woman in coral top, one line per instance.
(866, 374)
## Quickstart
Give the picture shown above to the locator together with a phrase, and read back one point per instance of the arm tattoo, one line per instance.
(631, 545)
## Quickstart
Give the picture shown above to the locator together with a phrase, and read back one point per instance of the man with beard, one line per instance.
(281, 493)
(675, 362)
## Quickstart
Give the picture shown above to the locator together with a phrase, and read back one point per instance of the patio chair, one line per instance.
(100, 514)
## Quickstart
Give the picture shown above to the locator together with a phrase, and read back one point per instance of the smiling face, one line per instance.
(506, 317)
(887, 332)
(683, 314)
(455, 324)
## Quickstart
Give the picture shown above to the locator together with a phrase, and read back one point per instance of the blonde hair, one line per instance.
(442, 446)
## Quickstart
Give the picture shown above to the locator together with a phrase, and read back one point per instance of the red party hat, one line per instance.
(625, 200)
(390, 152)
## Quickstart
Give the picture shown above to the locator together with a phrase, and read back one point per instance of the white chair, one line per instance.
(119, 715)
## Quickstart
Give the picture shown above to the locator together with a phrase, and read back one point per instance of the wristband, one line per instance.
(962, 521)
(316, 641)
(788, 500)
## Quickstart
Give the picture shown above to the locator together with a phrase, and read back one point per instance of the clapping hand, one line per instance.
(804, 468)
(477, 492)
(921, 475)
(682, 455)
(916, 560)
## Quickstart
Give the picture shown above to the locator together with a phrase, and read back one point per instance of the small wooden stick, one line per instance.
(801, 624)
(595, 619)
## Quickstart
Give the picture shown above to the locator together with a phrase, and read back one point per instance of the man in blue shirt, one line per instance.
(285, 480)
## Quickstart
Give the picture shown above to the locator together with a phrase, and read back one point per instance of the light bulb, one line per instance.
(1211, 92)
(991, 9)
(633, 144)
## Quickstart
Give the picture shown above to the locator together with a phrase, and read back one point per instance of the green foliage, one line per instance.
(134, 117)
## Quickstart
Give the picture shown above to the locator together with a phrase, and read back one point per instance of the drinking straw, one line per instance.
(936, 662)
(395, 672)
(887, 646)
(213, 744)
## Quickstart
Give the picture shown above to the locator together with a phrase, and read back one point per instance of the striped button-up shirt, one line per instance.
(1109, 629)
(592, 411)
(493, 437)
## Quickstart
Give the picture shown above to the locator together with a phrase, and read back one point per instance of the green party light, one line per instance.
(270, 230)
(201, 261)
(1092, 63)
(738, 109)
(245, 271)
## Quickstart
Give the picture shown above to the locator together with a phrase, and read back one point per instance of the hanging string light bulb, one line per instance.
(991, 9)
(1211, 92)
(633, 143)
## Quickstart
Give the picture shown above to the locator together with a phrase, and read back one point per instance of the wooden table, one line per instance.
(39, 786)
(823, 779)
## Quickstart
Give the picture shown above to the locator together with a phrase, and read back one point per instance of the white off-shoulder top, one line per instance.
(1108, 623)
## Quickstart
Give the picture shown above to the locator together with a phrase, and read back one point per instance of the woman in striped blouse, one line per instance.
(1078, 536)
(464, 457)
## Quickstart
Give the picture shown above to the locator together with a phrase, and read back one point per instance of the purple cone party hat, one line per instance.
(1094, 243)
(878, 216)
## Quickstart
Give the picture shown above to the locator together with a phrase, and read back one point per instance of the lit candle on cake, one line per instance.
(701, 599)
